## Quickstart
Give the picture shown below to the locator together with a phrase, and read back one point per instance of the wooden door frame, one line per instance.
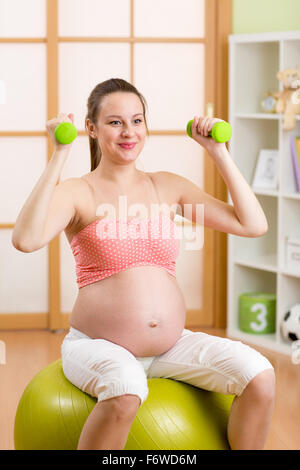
(219, 22)
(205, 316)
(224, 29)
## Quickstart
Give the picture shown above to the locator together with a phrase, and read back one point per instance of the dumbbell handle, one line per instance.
(65, 132)
(221, 131)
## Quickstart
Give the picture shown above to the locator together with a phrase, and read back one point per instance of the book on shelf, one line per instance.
(295, 150)
(297, 145)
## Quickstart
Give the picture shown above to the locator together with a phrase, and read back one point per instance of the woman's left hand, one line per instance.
(200, 131)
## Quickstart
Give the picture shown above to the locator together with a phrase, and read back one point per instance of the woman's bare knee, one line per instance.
(123, 406)
(263, 384)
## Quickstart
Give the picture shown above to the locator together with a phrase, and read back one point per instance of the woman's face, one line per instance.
(121, 121)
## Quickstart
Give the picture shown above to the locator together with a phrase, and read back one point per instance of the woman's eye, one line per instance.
(112, 122)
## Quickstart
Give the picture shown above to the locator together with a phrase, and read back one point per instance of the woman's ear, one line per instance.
(90, 128)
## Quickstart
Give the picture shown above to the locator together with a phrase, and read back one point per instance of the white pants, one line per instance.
(104, 369)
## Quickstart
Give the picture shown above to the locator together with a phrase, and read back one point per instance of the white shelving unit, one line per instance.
(258, 264)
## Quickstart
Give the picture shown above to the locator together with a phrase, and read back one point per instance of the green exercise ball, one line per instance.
(178, 416)
(175, 415)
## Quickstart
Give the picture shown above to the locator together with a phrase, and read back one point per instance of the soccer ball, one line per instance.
(290, 325)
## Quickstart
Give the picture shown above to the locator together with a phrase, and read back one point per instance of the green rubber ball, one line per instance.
(65, 133)
(52, 411)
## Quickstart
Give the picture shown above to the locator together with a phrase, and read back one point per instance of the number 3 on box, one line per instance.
(261, 317)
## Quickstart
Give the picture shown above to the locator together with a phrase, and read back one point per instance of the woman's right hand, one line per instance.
(51, 126)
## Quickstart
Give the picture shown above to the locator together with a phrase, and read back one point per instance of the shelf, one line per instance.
(276, 193)
(291, 195)
(265, 341)
(258, 116)
(288, 272)
(262, 38)
(266, 192)
(262, 116)
(258, 263)
(265, 263)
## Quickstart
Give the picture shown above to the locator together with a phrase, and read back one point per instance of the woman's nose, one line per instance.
(127, 131)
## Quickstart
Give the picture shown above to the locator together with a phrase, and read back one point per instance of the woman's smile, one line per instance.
(127, 146)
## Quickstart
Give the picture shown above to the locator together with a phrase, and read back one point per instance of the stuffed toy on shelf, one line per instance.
(288, 100)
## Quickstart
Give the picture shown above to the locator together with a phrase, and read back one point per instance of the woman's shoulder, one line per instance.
(165, 179)
(78, 182)
(167, 184)
(73, 181)
(161, 176)
(78, 188)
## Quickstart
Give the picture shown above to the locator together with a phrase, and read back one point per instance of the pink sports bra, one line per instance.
(107, 246)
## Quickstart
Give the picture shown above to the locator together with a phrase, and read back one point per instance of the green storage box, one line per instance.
(257, 312)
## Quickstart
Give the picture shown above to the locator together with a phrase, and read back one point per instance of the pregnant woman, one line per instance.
(128, 320)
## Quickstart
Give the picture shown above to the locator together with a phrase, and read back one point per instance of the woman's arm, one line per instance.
(29, 228)
(246, 206)
(246, 217)
(30, 224)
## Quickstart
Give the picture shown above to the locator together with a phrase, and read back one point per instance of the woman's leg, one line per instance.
(112, 374)
(108, 424)
(230, 367)
(251, 413)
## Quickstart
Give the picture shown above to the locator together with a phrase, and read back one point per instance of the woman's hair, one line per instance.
(94, 105)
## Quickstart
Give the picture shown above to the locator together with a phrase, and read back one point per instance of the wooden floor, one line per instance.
(27, 352)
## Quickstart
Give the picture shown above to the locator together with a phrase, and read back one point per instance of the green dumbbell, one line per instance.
(221, 131)
(65, 132)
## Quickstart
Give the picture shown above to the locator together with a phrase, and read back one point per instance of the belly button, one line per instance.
(153, 323)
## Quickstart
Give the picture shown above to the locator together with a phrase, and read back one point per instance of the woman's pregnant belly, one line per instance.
(141, 309)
